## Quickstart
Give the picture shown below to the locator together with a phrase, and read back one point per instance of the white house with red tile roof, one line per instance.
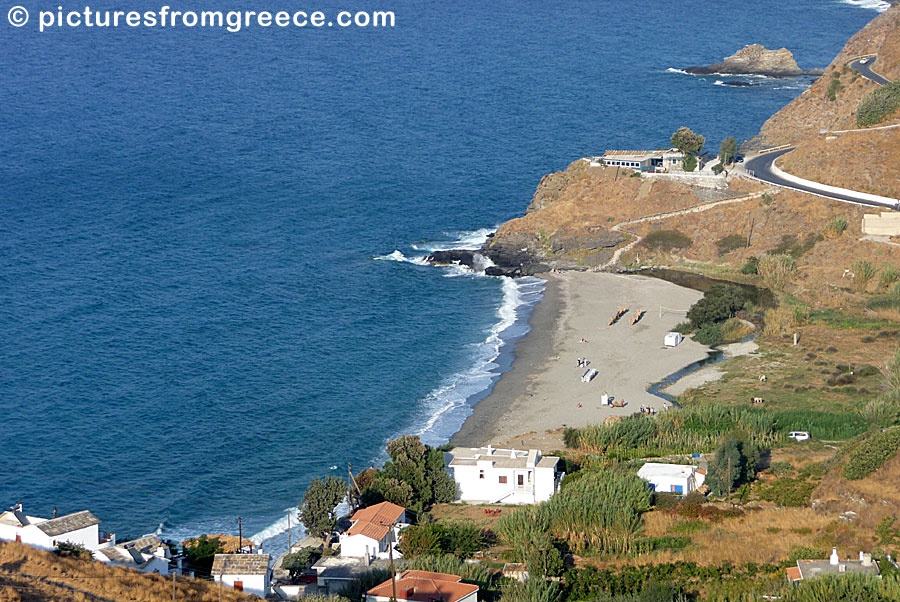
(372, 530)
(423, 586)
(81, 528)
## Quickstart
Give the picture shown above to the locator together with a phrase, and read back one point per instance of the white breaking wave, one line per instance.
(280, 526)
(399, 256)
(469, 240)
(681, 71)
(879, 5)
(449, 399)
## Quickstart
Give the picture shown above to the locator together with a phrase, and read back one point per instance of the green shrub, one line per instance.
(718, 168)
(834, 87)
(73, 550)
(863, 272)
(788, 492)
(871, 454)
(878, 105)
(719, 303)
(781, 468)
(453, 538)
(666, 240)
(709, 334)
(690, 163)
(297, 562)
(776, 270)
(730, 243)
(834, 227)
(683, 328)
(751, 266)
(889, 275)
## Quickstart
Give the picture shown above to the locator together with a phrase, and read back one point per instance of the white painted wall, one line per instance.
(482, 483)
(253, 584)
(89, 537)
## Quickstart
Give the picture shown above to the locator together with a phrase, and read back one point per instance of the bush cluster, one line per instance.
(878, 105)
(666, 240)
(871, 454)
(730, 243)
(460, 539)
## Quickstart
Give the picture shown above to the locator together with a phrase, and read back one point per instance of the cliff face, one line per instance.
(813, 110)
(755, 59)
(567, 225)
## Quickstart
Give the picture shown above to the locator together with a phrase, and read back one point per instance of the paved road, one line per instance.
(865, 69)
(760, 167)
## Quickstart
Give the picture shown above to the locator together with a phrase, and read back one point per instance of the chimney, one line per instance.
(490, 449)
(512, 453)
(834, 559)
(860, 556)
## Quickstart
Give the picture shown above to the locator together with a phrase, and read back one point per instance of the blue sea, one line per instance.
(211, 287)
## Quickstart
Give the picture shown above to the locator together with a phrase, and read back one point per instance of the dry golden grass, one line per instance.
(853, 160)
(37, 575)
(766, 535)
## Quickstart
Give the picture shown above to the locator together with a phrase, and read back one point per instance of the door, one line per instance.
(18, 538)
(239, 586)
(521, 480)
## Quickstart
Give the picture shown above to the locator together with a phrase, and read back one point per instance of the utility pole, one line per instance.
(173, 585)
(289, 530)
(393, 573)
(240, 535)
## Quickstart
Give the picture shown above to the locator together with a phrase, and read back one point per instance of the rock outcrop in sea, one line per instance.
(755, 59)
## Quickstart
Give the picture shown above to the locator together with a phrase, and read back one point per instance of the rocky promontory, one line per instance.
(755, 59)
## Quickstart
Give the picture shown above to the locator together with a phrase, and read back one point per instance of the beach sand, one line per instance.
(543, 389)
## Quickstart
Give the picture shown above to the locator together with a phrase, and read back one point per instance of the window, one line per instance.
(503, 480)
(480, 474)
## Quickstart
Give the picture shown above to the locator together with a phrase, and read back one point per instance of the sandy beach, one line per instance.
(544, 388)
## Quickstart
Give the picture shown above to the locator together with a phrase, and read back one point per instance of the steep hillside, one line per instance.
(814, 111)
(568, 222)
(855, 160)
(31, 575)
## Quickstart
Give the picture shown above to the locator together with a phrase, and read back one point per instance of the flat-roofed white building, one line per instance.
(672, 478)
(644, 160)
(147, 554)
(503, 476)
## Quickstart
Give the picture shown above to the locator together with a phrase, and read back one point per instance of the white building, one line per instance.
(672, 478)
(423, 586)
(146, 555)
(244, 572)
(643, 160)
(372, 532)
(503, 476)
(335, 573)
(81, 528)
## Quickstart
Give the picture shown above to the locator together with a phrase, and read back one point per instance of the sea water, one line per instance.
(211, 277)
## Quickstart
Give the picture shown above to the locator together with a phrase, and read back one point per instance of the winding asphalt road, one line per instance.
(865, 69)
(760, 167)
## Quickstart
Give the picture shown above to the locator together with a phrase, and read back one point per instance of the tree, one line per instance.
(735, 463)
(201, 552)
(687, 141)
(414, 477)
(297, 562)
(317, 510)
(728, 150)
(718, 304)
(689, 163)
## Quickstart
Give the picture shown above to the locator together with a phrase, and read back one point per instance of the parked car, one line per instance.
(864, 61)
(799, 435)
(739, 158)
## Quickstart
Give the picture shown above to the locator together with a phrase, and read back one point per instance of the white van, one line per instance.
(799, 435)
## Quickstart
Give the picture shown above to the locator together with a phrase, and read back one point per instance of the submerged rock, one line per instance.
(755, 59)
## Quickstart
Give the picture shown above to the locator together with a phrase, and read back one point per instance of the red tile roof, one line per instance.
(375, 521)
(793, 573)
(424, 586)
